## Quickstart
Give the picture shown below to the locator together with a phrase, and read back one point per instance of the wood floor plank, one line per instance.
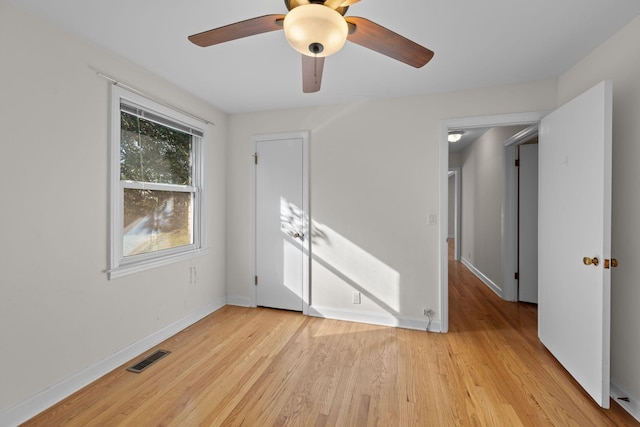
(261, 367)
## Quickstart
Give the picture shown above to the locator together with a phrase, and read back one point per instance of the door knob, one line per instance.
(296, 235)
(590, 261)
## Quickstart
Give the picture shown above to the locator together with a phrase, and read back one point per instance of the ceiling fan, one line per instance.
(317, 29)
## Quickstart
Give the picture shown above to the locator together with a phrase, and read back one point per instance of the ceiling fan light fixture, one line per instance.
(315, 30)
(455, 136)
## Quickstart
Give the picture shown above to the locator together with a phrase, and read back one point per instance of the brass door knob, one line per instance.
(590, 261)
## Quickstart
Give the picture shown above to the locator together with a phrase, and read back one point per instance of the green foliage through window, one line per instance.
(150, 152)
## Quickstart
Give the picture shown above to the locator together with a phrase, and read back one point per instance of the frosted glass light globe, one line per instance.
(315, 30)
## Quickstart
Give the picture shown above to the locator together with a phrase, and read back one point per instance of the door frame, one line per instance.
(306, 244)
(513, 119)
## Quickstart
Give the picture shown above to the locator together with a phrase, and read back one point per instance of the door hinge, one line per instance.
(255, 157)
(516, 276)
(256, 280)
(517, 162)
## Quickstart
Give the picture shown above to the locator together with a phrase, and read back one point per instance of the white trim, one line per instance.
(136, 185)
(374, 318)
(463, 123)
(238, 300)
(632, 406)
(512, 119)
(306, 223)
(525, 135)
(252, 226)
(156, 262)
(119, 265)
(495, 288)
(444, 226)
(50, 396)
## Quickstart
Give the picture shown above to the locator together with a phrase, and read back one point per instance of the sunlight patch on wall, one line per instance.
(292, 274)
(356, 267)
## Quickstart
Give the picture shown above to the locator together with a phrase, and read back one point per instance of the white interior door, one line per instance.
(575, 222)
(281, 224)
(528, 223)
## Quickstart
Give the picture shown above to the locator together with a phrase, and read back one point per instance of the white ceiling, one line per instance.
(476, 44)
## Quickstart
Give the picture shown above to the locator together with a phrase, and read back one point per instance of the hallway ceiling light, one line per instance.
(455, 135)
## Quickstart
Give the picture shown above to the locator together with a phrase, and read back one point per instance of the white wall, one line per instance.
(619, 60)
(482, 203)
(58, 312)
(375, 177)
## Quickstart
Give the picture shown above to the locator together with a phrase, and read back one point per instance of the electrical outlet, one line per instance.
(429, 313)
(356, 298)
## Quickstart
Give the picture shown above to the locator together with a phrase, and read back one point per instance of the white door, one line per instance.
(281, 223)
(575, 222)
(528, 223)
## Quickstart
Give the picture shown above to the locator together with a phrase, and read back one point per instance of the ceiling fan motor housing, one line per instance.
(291, 4)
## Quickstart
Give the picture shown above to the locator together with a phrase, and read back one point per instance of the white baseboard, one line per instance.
(48, 397)
(240, 301)
(495, 288)
(632, 406)
(374, 318)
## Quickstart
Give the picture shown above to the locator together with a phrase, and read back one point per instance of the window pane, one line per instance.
(156, 220)
(150, 152)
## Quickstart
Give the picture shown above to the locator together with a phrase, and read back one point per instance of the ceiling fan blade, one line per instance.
(349, 3)
(375, 37)
(312, 67)
(250, 27)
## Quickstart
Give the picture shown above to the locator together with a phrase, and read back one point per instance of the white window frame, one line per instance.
(118, 264)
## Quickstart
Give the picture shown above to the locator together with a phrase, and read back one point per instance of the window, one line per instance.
(156, 185)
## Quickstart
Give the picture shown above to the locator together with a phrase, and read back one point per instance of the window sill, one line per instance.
(125, 270)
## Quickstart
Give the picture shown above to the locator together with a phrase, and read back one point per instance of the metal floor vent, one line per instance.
(144, 364)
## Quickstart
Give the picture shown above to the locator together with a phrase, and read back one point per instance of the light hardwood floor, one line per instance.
(261, 367)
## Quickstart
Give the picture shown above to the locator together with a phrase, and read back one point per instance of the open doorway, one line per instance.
(508, 219)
